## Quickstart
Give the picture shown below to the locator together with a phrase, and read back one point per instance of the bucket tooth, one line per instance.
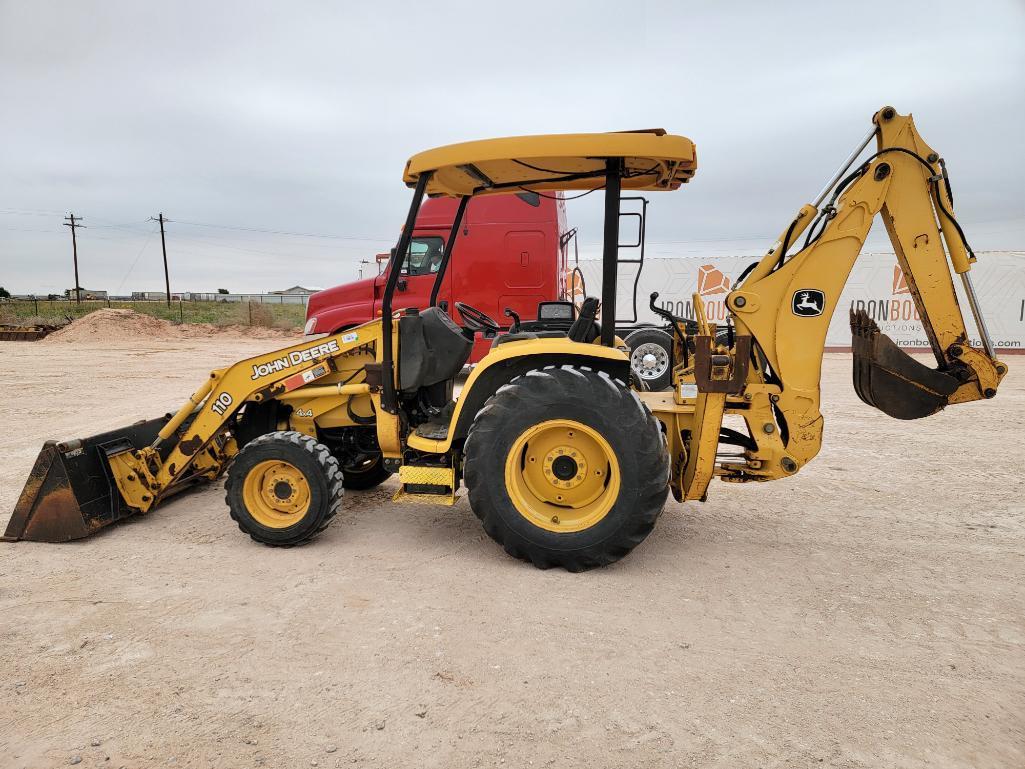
(887, 378)
(71, 492)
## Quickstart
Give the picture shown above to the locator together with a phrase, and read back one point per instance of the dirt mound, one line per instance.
(111, 325)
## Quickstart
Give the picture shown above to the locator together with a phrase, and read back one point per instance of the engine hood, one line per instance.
(357, 292)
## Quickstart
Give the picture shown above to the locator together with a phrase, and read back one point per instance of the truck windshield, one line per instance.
(424, 257)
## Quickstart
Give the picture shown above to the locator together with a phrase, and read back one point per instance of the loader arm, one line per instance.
(786, 303)
(143, 479)
(77, 487)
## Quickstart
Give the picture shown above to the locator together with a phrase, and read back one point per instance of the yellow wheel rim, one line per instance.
(562, 475)
(276, 494)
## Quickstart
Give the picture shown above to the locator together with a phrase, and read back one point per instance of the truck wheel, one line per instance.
(651, 356)
(284, 488)
(566, 467)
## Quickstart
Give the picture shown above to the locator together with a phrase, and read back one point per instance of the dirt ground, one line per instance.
(868, 612)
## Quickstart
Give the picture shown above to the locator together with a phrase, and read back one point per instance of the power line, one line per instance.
(212, 244)
(136, 261)
(282, 232)
(24, 229)
(129, 226)
(292, 257)
(39, 212)
(134, 226)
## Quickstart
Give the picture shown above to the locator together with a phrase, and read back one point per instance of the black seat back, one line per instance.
(585, 328)
(432, 349)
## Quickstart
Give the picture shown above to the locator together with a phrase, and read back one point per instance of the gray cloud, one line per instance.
(298, 117)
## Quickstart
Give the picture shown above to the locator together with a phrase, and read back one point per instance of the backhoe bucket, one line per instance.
(71, 492)
(889, 379)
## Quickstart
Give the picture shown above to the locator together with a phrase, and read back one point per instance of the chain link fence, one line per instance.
(254, 310)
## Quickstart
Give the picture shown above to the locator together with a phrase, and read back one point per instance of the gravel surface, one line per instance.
(865, 613)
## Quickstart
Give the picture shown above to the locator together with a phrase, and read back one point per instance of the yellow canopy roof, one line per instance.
(653, 160)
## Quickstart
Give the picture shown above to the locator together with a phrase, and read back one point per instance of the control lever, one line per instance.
(673, 320)
(511, 313)
(662, 313)
(674, 323)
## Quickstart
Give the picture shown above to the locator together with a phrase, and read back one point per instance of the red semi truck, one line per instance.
(512, 253)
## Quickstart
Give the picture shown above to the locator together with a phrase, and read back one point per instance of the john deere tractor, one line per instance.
(566, 462)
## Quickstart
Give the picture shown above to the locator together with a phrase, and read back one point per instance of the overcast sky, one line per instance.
(298, 118)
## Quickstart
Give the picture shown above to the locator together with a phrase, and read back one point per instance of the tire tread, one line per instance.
(328, 465)
(611, 396)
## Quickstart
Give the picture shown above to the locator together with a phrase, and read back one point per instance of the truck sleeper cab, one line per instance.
(510, 254)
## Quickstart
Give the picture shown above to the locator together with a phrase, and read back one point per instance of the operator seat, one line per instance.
(585, 328)
(432, 349)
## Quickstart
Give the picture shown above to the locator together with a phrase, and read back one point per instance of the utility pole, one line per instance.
(72, 221)
(163, 247)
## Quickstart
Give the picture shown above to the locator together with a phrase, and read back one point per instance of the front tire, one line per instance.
(566, 467)
(284, 488)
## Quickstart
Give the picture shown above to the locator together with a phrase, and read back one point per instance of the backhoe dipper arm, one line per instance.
(786, 304)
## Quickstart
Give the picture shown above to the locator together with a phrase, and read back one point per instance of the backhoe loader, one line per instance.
(566, 459)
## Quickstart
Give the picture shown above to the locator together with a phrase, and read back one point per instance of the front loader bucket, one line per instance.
(889, 379)
(71, 492)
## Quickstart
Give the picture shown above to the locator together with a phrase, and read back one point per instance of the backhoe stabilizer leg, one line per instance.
(889, 379)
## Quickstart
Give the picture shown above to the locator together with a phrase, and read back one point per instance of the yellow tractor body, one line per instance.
(566, 458)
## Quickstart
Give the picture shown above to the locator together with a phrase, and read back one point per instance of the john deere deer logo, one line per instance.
(712, 281)
(808, 302)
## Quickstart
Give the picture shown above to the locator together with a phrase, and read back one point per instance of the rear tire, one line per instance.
(651, 356)
(368, 477)
(358, 454)
(579, 490)
(284, 488)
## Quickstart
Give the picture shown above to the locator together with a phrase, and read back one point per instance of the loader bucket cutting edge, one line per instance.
(889, 379)
(70, 492)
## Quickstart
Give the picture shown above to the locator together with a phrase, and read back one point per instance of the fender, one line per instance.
(510, 360)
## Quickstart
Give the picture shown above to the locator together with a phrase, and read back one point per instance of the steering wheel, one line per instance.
(476, 320)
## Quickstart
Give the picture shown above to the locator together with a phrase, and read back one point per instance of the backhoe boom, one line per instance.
(786, 303)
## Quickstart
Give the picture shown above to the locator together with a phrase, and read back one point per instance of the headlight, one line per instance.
(310, 325)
